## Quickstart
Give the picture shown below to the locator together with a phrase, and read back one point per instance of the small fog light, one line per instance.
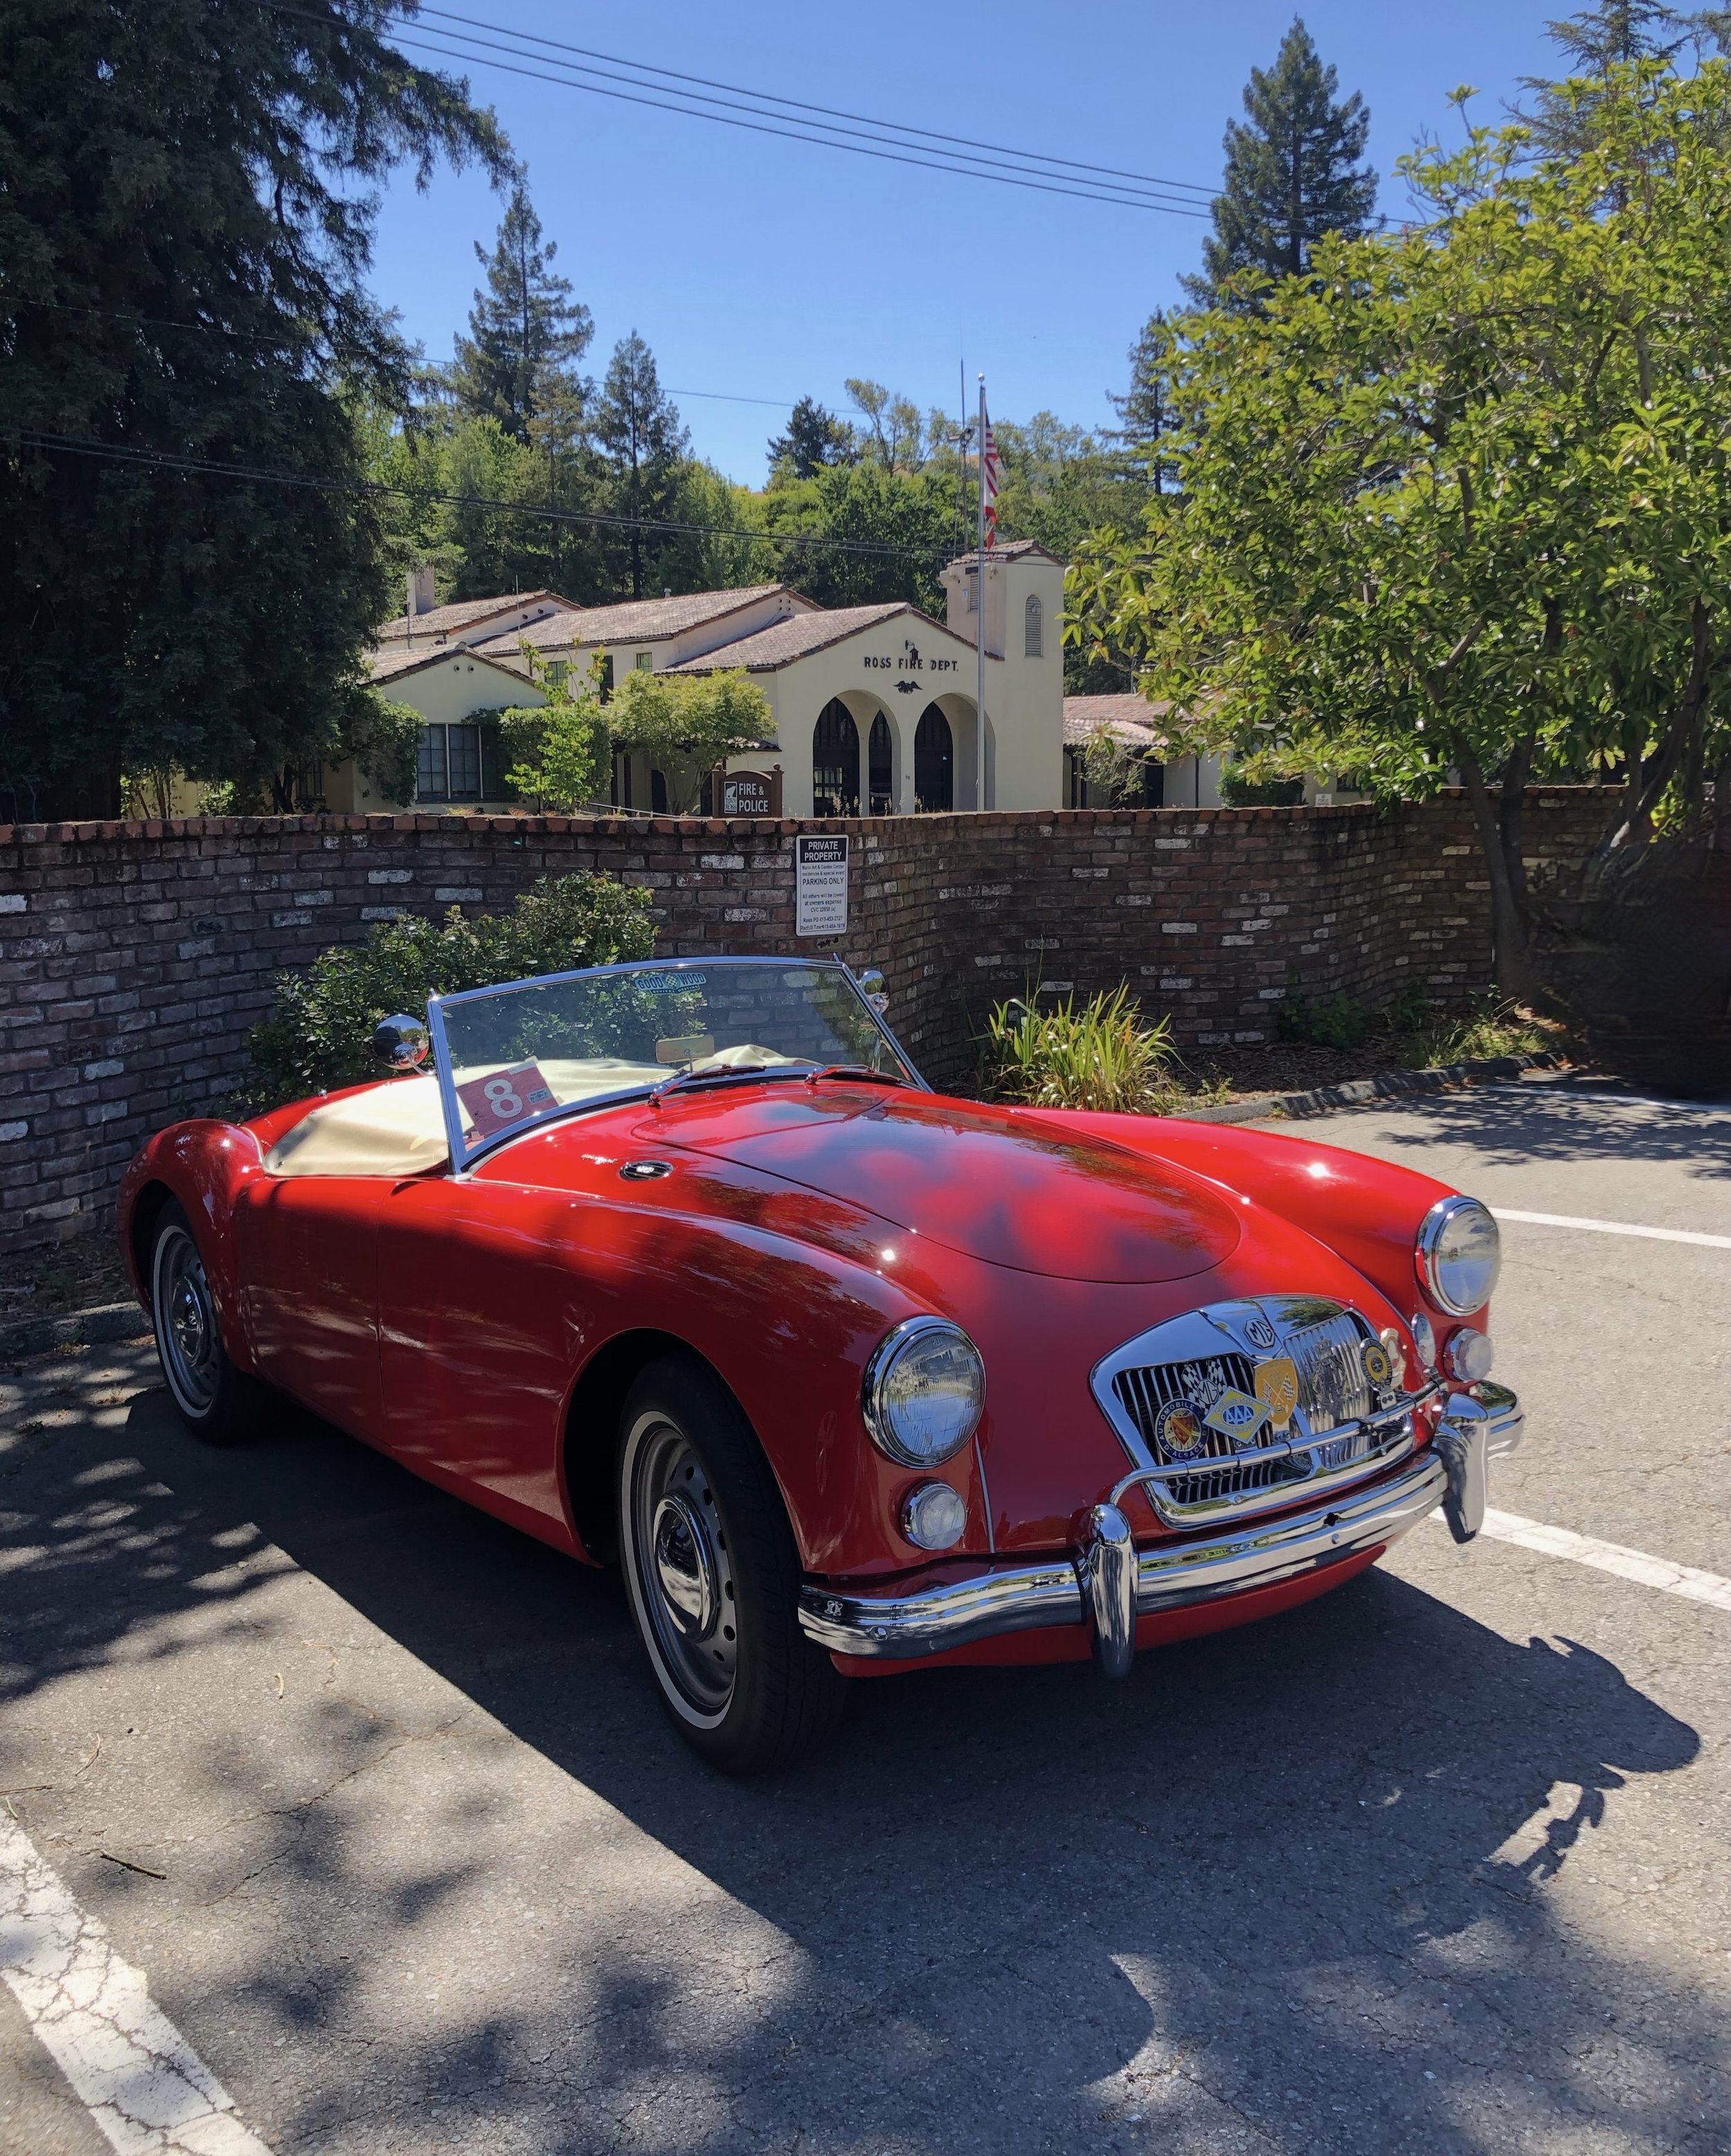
(933, 1517)
(1468, 1355)
(1424, 1338)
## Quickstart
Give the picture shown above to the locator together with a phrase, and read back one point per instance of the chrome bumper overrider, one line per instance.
(1108, 1573)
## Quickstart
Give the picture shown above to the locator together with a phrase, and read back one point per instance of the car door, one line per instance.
(308, 1250)
(479, 1334)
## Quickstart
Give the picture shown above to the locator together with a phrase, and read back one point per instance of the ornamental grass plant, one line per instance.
(1102, 1056)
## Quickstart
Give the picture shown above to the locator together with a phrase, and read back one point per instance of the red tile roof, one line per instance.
(459, 614)
(782, 642)
(632, 621)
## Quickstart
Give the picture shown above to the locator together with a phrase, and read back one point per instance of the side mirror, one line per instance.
(871, 987)
(400, 1043)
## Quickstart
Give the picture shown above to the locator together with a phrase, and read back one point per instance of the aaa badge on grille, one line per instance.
(1278, 1386)
(1236, 1415)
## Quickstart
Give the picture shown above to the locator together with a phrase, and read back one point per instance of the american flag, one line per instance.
(989, 468)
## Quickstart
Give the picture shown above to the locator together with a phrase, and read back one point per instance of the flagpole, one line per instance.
(979, 593)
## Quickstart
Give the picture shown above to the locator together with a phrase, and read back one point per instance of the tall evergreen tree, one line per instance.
(637, 427)
(815, 437)
(1292, 171)
(1593, 41)
(1145, 409)
(517, 365)
(187, 197)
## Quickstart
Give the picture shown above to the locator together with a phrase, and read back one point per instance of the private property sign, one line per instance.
(820, 884)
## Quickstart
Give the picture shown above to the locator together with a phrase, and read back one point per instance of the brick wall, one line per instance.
(134, 957)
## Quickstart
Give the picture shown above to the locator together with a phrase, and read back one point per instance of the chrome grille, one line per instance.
(1325, 1342)
(1145, 1391)
(1332, 1387)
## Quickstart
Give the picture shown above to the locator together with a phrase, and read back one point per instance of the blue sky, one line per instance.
(764, 268)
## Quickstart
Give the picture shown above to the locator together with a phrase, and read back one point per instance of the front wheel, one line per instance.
(713, 1576)
(215, 1401)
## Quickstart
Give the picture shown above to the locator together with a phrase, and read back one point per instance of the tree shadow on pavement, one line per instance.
(1511, 1126)
(1290, 1887)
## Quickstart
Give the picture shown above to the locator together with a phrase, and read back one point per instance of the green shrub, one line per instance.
(321, 1033)
(1336, 1021)
(1252, 788)
(1489, 1027)
(1102, 1057)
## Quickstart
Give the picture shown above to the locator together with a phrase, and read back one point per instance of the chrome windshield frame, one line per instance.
(465, 1159)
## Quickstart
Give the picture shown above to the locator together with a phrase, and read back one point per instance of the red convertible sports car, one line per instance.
(682, 1264)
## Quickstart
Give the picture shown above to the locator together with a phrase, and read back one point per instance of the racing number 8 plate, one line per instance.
(503, 1098)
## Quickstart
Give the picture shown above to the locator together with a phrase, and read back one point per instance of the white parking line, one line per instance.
(142, 2082)
(1614, 1228)
(1685, 1580)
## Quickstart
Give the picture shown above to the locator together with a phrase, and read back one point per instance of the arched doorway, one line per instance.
(880, 770)
(934, 763)
(835, 762)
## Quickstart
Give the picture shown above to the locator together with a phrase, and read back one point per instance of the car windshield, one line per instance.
(510, 1057)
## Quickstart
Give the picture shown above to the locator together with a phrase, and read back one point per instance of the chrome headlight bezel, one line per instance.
(914, 1337)
(1433, 1264)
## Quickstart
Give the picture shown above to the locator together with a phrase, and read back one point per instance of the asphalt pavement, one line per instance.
(1437, 1863)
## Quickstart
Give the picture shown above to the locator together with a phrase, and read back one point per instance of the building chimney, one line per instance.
(421, 599)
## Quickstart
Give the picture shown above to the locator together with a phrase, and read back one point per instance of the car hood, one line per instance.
(991, 1183)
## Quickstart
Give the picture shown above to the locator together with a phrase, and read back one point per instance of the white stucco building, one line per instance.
(875, 707)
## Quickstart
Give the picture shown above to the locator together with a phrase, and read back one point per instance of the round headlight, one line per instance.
(924, 1389)
(1459, 1256)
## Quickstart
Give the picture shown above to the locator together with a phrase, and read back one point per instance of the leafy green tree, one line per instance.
(558, 750)
(320, 1035)
(894, 432)
(814, 437)
(384, 738)
(1460, 500)
(1292, 171)
(902, 527)
(686, 723)
(637, 427)
(187, 199)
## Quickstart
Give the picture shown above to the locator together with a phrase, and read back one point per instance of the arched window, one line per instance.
(934, 763)
(1033, 640)
(881, 780)
(835, 762)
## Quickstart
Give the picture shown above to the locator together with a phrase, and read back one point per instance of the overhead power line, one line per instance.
(946, 140)
(321, 482)
(479, 43)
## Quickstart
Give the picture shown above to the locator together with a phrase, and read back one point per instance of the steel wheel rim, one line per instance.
(187, 1341)
(681, 1574)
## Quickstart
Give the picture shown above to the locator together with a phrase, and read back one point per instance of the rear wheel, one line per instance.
(215, 1401)
(714, 1577)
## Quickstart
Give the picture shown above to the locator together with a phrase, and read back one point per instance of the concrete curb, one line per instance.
(78, 1328)
(1389, 1085)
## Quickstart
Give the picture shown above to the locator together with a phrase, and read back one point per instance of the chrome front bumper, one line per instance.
(1168, 1576)
(1109, 1582)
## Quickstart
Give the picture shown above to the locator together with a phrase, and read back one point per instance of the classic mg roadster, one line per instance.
(683, 1265)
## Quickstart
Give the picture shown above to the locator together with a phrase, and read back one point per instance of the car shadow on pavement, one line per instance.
(1291, 1885)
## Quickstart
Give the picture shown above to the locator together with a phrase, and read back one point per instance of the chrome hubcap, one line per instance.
(186, 1336)
(681, 1574)
(685, 1566)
